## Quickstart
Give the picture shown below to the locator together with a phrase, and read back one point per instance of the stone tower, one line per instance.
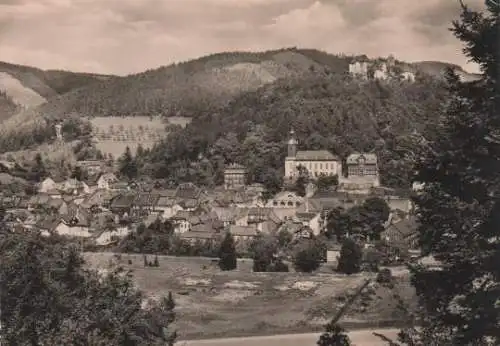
(292, 144)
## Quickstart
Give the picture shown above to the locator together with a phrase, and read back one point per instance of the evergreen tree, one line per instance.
(227, 253)
(350, 257)
(38, 170)
(334, 335)
(128, 165)
(459, 207)
(49, 298)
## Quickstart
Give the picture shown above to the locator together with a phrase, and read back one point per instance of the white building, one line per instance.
(316, 162)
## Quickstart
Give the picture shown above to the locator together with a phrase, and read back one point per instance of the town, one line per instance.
(103, 208)
(187, 173)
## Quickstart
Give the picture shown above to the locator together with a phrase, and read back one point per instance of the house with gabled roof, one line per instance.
(183, 220)
(285, 199)
(123, 204)
(402, 233)
(47, 224)
(106, 180)
(145, 202)
(74, 187)
(46, 185)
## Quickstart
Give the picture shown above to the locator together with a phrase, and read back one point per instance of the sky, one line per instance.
(130, 36)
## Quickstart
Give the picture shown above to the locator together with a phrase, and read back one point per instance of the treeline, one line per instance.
(43, 131)
(332, 112)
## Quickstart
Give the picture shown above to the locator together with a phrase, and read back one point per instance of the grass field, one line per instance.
(114, 134)
(211, 303)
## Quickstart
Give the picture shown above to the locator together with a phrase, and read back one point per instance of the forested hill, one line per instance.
(192, 87)
(327, 111)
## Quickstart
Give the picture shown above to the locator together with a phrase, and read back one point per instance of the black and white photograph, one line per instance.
(249, 173)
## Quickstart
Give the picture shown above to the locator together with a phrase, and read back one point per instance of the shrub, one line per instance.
(227, 253)
(384, 276)
(350, 257)
(307, 257)
(262, 250)
(371, 260)
(278, 266)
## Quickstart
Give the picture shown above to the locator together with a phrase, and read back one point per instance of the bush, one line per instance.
(384, 276)
(307, 257)
(227, 253)
(371, 260)
(278, 266)
(350, 257)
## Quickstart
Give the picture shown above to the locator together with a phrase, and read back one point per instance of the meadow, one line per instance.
(212, 303)
(114, 134)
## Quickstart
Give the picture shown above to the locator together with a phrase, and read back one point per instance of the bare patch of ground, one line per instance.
(212, 303)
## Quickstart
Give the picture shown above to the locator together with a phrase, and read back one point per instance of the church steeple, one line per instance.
(292, 144)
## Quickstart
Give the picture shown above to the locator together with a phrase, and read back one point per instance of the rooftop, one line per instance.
(356, 158)
(315, 155)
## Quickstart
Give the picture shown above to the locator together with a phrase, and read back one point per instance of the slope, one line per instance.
(49, 83)
(327, 111)
(191, 87)
(7, 106)
(438, 69)
(183, 89)
(18, 93)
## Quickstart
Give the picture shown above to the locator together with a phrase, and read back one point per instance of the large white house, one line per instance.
(316, 162)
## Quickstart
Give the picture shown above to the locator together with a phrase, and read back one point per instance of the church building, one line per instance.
(316, 162)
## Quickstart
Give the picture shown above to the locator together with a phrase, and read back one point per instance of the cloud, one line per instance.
(128, 36)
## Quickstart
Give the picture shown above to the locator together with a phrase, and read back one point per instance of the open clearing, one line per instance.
(114, 134)
(211, 303)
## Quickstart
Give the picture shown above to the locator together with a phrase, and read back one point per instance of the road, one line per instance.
(358, 338)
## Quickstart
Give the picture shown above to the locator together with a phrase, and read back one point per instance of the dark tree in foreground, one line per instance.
(227, 253)
(334, 335)
(49, 298)
(350, 258)
(459, 207)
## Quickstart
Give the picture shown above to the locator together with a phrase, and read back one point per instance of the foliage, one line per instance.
(366, 220)
(128, 165)
(49, 298)
(307, 256)
(155, 239)
(284, 238)
(263, 250)
(459, 206)
(227, 253)
(333, 112)
(50, 83)
(392, 255)
(38, 171)
(334, 335)
(7, 106)
(278, 266)
(371, 260)
(350, 257)
(384, 276)
(326, 182)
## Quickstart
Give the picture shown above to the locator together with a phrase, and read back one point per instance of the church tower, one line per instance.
(292, 144)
